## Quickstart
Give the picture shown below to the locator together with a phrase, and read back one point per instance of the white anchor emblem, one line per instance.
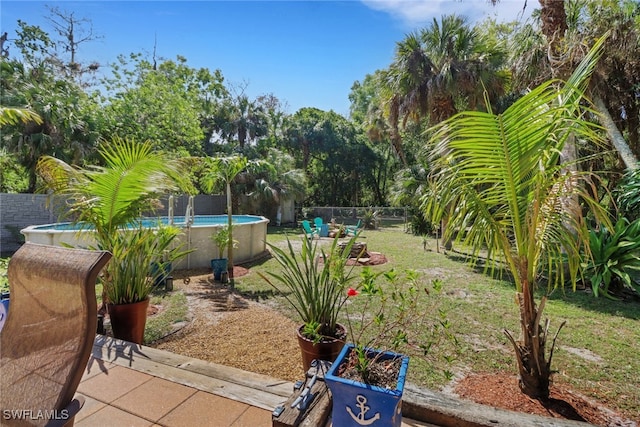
(360, 418)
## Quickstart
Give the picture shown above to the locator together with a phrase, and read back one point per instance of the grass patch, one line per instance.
(174, 310)
(597, 351)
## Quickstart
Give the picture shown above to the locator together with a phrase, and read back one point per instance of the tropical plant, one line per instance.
(370, 219)
(221, 239)
(628, 195)
(109, 199)
(241, 120)
(13, 115)
(391, 319)
(283, 183)
(612, 256)
(314, 283)
(131, 278)
(439, 70)
(225, 170)
(499, 180)
(558, 45)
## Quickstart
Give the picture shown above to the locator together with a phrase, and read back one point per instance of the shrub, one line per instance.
(614, 256)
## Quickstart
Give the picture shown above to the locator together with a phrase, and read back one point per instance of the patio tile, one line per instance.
(110, 385)
(90, 406)
(95, 367)
(254, 417)
(110, 416)
(204, 409)
(154, 399)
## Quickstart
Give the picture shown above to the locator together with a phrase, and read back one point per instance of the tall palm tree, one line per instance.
(438, 69)
(558, 46)
(225, 170)
(242, 119)
(500, 180)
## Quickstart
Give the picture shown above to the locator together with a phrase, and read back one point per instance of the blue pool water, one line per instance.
(177, 220)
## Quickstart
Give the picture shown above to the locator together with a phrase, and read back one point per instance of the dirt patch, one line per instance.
(228, 329)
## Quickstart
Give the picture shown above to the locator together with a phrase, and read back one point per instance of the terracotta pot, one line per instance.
(128, 320)
(325, 350)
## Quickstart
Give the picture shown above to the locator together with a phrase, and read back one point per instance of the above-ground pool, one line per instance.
(250, 231)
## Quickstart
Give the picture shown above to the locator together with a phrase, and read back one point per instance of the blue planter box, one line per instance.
(160, 272)
(218, 265)
(359, 404)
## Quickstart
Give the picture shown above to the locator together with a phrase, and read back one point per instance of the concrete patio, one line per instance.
(130, 385)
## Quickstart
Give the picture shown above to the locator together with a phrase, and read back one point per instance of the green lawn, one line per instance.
(598, 351)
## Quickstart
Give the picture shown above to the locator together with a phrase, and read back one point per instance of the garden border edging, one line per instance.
(447, 411)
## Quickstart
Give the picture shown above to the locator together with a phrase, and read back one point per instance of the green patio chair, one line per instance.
(352, 229)
(308, 231)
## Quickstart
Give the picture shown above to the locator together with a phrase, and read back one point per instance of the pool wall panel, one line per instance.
(250, 236)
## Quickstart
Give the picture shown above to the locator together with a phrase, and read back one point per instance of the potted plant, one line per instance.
(221, 239)
(128, 282)
(107, 200)
(314, 283)
(367, 378)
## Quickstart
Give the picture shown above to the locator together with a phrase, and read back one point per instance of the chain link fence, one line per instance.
(369, 216)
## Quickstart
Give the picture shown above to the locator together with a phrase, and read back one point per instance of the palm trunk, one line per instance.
(616, 137)
(533, 367)
(230, 227)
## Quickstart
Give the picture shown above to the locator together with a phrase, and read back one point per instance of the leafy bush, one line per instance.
(419, 225)
(4, 279)
(370, 219)
(628, 195)
(614, 256)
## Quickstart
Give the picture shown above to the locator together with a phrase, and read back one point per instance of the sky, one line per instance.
(306, 53)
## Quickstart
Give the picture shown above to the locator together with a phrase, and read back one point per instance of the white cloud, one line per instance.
(415, 13)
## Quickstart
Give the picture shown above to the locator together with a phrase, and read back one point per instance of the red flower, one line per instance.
(352, 292)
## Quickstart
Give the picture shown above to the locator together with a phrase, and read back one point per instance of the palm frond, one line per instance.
(499, 181)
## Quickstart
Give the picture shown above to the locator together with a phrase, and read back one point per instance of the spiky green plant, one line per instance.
(314, 283)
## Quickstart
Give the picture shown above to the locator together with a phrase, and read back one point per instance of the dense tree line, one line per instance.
(376, 156)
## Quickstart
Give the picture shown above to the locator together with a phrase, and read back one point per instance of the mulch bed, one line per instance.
(371, 258)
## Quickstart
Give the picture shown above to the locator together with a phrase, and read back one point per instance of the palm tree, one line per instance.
(242, 119)
(438, 69)
(14, 115)
(500, 180)
(284, 183)
(109, 200)
(559, 45)
(226, 169)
